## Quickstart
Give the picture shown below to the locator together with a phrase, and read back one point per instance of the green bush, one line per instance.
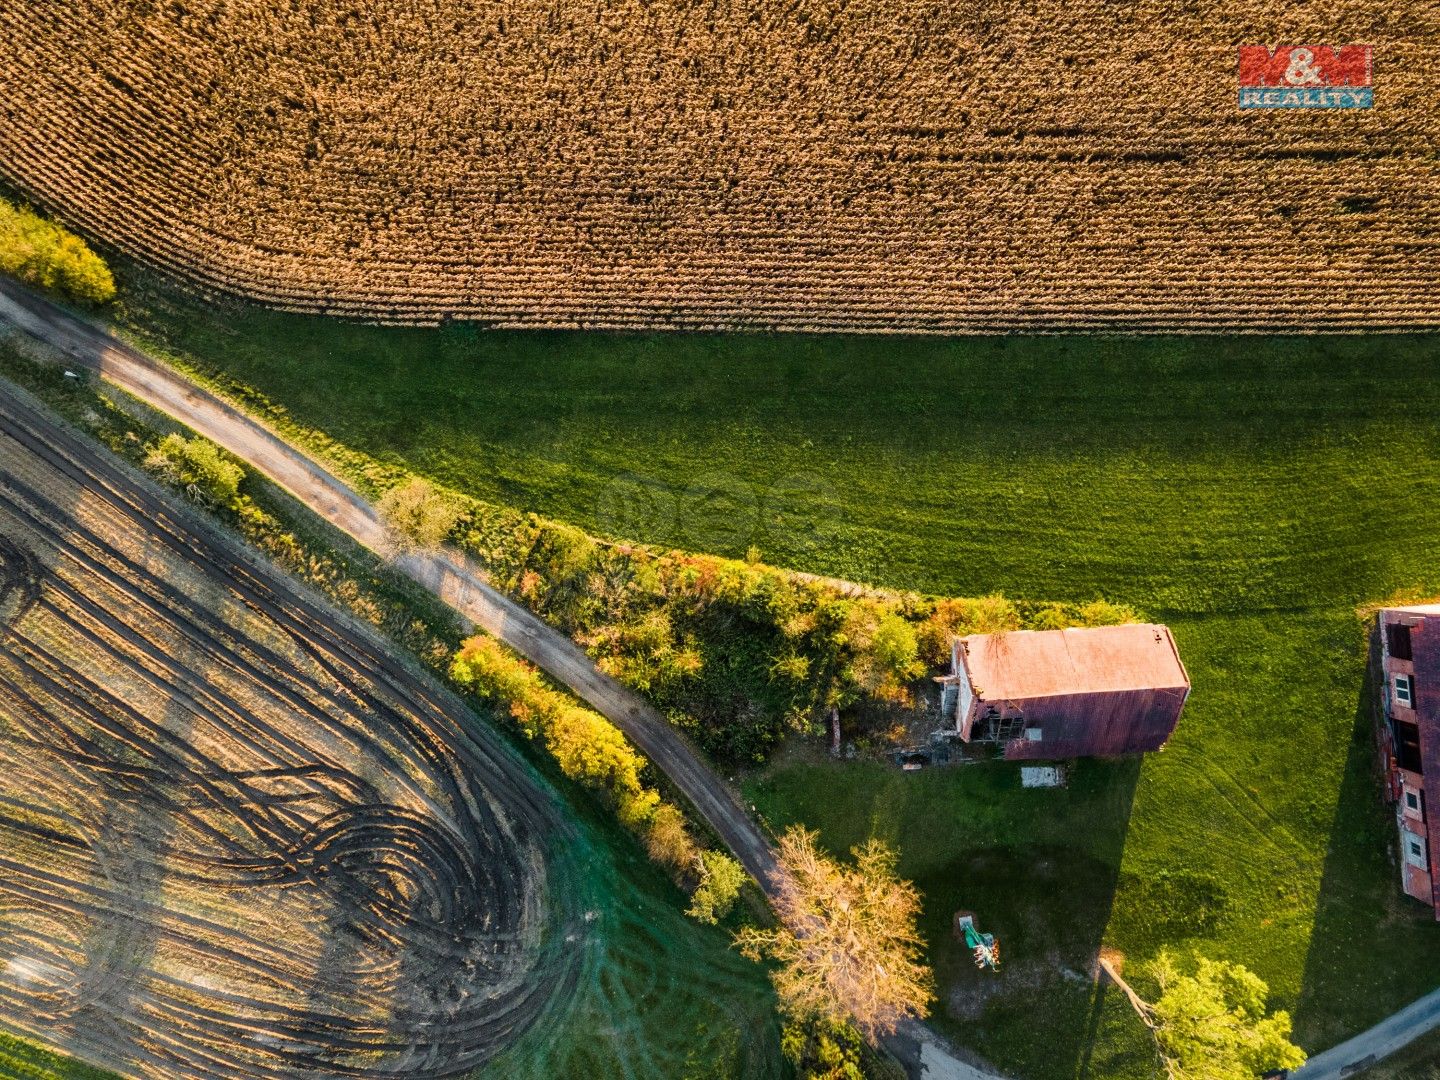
(955, 616)
(721, 878)
(736, 652)
(595, 754)
(206, 473)
(43, 254)
(588, 748)
(419, 515)
(886, 654)
(822, 1050)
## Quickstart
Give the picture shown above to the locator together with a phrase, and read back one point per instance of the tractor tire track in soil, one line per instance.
(236, 838)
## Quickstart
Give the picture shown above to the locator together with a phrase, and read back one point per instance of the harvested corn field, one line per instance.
(235, 838)
(919, 165)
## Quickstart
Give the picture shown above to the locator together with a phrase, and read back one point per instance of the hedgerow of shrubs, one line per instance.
(737, 652)
(199, 467)
(595, 754)
(41, 253)
(587, 748)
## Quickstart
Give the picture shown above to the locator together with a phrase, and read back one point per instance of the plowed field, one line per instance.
(237, 840)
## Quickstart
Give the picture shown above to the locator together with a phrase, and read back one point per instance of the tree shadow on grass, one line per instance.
(1372, 949)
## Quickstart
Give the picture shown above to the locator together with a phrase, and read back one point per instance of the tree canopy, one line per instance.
(1210, 1023)
(207, 472)
(721, 879)
(847, 945)
(43, 254)
(420, 515)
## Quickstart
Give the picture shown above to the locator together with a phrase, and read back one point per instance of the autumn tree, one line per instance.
(847, 946)
(420, 515)
(1210, 1021)
(668, 840)
(956, 616)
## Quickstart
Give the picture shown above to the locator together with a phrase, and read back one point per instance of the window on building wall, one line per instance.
(1414, 849)
(1397, 642)
(1412, 800)
(1033, 734)
(1405, 691)
(1407, 746)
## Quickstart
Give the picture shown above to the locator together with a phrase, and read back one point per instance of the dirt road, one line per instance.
(453, 578)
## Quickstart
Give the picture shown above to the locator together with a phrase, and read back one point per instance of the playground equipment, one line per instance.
(983, 947)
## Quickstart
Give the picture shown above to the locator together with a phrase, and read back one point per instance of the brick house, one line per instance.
(1051, 694)
(1408, 735)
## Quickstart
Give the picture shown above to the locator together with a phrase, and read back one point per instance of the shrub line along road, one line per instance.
(461, 585)
(457, 581)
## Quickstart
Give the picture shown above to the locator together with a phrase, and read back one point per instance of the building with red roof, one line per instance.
(1049, 694)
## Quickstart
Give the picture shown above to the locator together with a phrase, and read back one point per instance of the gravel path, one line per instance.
(1392, 1034)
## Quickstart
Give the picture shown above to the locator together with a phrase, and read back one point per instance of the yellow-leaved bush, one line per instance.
(43, 254)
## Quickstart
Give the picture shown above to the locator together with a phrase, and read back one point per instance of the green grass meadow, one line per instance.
(1250, 492)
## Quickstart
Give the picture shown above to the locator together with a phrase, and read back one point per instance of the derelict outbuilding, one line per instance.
(1094, 691)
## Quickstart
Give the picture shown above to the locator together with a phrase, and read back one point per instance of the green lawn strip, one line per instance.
(1087, 463)
(1249, 491)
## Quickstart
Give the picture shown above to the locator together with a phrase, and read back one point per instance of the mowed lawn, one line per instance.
(1249, 492)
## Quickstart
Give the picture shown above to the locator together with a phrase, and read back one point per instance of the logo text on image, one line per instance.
(1305, 77)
